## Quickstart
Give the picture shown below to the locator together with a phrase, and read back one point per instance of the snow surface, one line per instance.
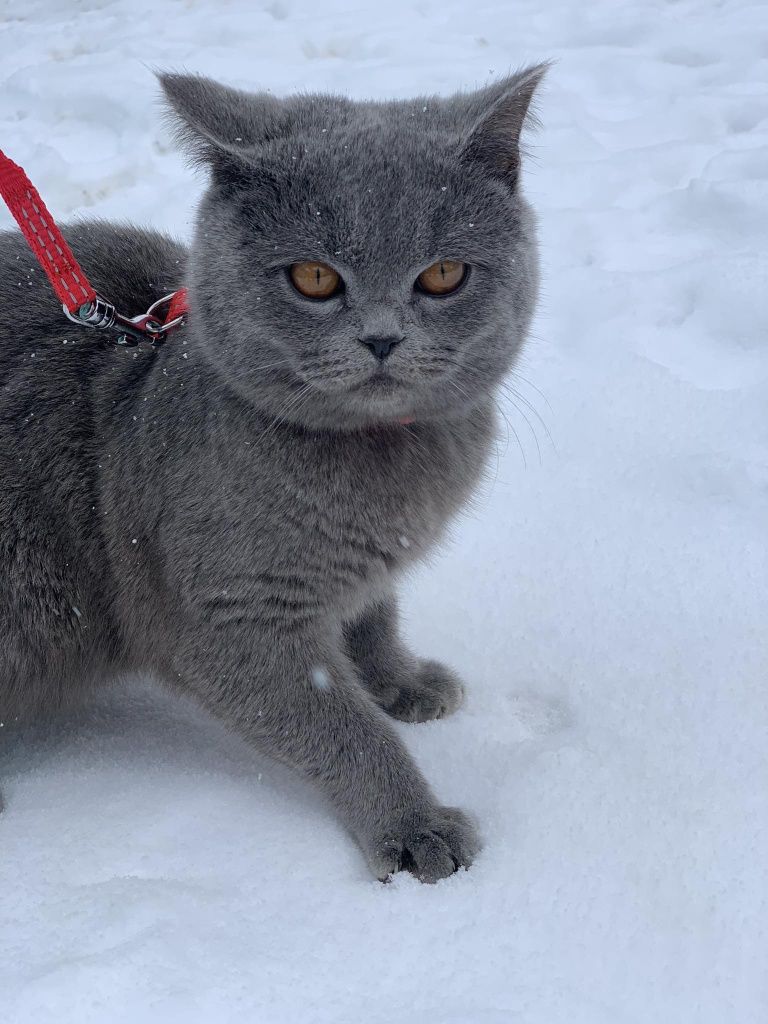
(606, 600)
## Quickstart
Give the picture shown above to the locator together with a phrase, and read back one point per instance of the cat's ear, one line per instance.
(497, 115)
(214, 123)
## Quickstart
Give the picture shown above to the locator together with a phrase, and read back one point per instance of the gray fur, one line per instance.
(231, 513)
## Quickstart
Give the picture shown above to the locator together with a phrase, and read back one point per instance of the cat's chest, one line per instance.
(380, 501)
(335, 518)
(394, 506)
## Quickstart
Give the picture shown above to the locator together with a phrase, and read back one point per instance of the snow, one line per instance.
(319, 677)
(605, 598)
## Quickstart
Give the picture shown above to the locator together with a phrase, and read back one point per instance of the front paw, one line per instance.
(434, 692)
(431, 844)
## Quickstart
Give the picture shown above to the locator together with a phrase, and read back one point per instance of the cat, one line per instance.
(230, 513)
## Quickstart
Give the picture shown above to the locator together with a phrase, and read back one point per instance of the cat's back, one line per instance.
(45, 359)
(57, 386)
(128, 266)
(58, 381)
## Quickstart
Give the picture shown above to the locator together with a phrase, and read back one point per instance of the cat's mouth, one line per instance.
(379, 396)
(380, 383)
(383, 397)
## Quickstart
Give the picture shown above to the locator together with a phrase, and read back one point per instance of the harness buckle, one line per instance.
(131, 331)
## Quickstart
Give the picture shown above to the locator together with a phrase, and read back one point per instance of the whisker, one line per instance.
(423, 464)
(530, 427)
(538, 416)
(290, 405)
(510, 429)
(512, 394)
(519, 376)
(515, 434)
(269, 366)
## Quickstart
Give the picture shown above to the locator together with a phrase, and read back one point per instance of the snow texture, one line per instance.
(605, 598)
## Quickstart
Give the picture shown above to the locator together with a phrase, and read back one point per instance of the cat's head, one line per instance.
(360, 263)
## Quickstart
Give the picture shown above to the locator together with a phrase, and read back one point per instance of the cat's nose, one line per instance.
(381, 346)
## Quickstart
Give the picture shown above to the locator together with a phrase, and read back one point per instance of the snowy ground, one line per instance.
(606, 600)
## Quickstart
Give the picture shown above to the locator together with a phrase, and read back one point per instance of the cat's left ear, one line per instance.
(494, 137)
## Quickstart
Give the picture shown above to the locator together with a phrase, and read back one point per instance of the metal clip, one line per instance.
(99, 314)
(166, 325)
(130, 330)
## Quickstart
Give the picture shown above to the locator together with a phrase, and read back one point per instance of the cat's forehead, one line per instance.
(378, 192)
(365, 152)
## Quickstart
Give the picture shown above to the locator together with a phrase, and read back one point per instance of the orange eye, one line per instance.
(315, 280)
(442, 277)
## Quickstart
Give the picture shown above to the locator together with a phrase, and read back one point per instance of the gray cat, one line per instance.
(231, 513)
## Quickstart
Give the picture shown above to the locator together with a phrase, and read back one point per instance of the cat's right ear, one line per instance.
(214, 124)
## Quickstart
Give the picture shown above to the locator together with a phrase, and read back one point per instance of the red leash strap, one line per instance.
(78, 296)
(45, 240)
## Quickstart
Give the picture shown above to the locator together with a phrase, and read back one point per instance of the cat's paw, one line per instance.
(434, 692)
(431, 845)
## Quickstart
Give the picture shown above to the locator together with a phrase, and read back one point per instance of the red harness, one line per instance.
(78, 296)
